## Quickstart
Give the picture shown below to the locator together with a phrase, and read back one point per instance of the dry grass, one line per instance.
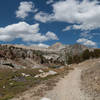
(12, 82)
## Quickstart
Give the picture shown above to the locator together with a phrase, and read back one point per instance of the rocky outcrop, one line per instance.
(13, 56)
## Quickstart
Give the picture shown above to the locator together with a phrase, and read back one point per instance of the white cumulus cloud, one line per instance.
(84, 15)
(67, 28)
(43, 17)
(26, 32)
(49, 1)
(87, 42)
(51, 35)
(43, 45)
(86, 35)
(40, 45)
(24, 9)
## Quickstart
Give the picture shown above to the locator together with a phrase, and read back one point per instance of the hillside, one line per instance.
(16, 56)
(84, 79)
(91, 80)
(22, 68)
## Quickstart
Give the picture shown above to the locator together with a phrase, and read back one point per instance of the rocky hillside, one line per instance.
(71, 49)
(75, 49)
(17, 56)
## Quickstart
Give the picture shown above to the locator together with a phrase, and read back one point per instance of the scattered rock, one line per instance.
(11, 83)
(45, 99)
(45, 74)
(52, 72)
(4, 87)
(19, 79)
(25, 75)
(41, 71)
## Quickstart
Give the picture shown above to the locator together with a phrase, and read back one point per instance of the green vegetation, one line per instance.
(13, 82)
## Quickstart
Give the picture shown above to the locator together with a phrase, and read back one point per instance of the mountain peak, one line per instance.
(57, 46)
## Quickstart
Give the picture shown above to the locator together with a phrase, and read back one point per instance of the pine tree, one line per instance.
(70, 60)
(86, 54)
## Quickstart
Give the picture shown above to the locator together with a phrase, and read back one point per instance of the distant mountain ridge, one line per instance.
(57, 46)
(75, 48)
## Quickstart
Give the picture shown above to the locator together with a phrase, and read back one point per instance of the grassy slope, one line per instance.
(12, 82)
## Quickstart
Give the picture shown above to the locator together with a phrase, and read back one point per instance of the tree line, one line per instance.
(85, 55)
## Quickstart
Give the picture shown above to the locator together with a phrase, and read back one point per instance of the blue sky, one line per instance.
(45, 22)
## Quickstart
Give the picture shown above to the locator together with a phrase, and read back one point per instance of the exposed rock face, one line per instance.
(13, 56)
(65, 51)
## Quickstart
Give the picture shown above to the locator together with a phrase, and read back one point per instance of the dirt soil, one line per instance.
(80, 84)
(68, 88)
(91, 79)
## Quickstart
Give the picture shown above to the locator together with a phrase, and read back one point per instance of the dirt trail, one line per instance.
(68, 88)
